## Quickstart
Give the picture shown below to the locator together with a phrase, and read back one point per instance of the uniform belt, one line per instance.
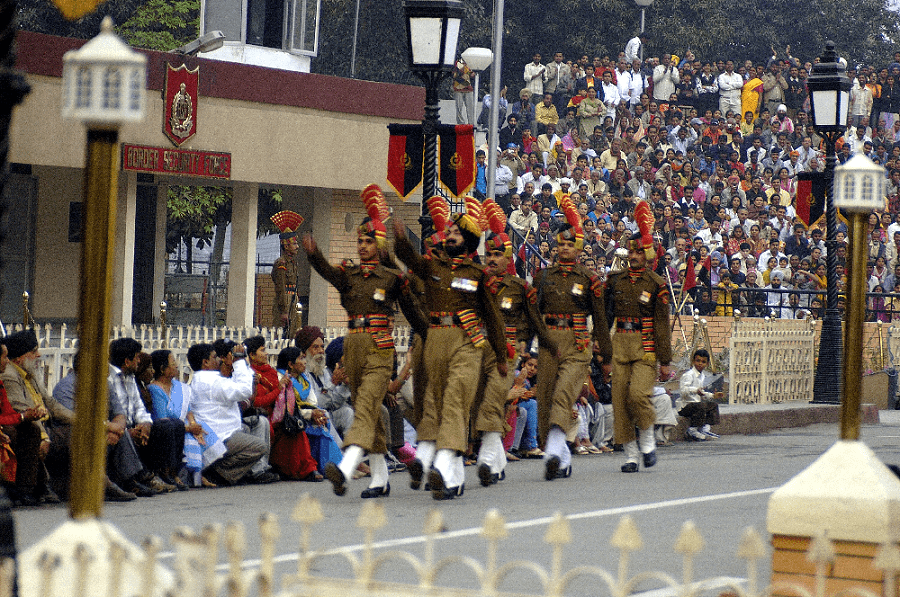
(559, 322)
(365, 321)
(445, 320)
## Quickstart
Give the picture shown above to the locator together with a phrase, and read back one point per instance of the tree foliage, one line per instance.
(163, 24)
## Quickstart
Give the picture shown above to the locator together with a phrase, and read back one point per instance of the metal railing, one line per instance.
(525, 267)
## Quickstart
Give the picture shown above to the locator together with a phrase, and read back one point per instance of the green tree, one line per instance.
(163, 24)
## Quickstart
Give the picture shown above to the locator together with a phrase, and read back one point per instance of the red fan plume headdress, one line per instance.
(376, 207)
(496, 220)
(572, 230)
(287, 223)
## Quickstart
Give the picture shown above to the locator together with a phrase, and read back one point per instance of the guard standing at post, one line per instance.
(368, 293)
(638, 300)
(463, 317)
(284, 272)
(567, 294)
(515, 298)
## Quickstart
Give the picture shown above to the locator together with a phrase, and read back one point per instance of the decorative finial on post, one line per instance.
(162, 322)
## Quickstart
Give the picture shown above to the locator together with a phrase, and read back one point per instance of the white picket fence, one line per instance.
(58, 345)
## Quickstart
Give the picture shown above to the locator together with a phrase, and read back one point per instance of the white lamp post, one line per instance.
(104, 86)
(859, 189)
(643, 4)
(432, 28)
(477, 59)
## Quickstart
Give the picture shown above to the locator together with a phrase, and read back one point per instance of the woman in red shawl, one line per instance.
(290, 454)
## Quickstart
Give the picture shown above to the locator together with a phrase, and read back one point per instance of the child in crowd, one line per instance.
(695, 402)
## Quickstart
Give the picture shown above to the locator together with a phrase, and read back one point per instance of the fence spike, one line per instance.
(83, 557)
(117, 556)
(151, 546)
(235, 545)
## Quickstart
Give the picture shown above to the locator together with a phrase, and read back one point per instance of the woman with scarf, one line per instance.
(290, 454)
(172, 399)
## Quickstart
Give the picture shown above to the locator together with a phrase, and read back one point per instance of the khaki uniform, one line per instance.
(368, 293)
(566, 296)
(284, 276)
(521, 322)
(642, 337)
(459, 304)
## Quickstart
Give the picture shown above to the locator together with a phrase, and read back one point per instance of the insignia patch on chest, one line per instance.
(577, 289)
(464, 284)
(506, 303)
(645, 297)
(379, 294)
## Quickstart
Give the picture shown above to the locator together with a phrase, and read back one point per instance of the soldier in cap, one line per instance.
(459, 304)
(638, 300)
(521, 322)
(567, 294)
(284, 272)
(368, 293)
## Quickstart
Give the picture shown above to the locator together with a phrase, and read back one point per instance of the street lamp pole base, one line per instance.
(828, 383)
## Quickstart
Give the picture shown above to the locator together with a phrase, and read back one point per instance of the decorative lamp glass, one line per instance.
(859, 185)
(432, 27)
(643, 3)
(478, 59)
(105, 81)
(829, 92)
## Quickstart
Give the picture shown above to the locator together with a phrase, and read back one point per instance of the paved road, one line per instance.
(723, 486)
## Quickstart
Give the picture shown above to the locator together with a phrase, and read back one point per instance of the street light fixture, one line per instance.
(829, 90)
(643, 4)
(104, 86)
(858, 190)
(432, 28)
(207, 42)
(477, 59)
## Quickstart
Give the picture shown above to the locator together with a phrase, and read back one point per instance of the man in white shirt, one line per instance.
(730, 84)
(638, 84)
(611, 97)
(696, 402)
(535, 75)
(633, 49)
(623, 81)
(215, 401)
(665, 79)
(711, 236)
(524, 219)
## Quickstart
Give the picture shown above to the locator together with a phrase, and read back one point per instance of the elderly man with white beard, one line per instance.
(333, 394)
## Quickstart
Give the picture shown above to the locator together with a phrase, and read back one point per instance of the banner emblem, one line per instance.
(181, 103)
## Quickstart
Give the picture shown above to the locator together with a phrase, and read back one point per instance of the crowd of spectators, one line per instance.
(716, 148)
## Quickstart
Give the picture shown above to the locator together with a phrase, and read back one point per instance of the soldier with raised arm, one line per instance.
(463, 316)
(368, 294)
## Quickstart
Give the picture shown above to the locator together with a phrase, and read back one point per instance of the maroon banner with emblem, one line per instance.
(457, 158)
(405, 158)
(182, 93)
(810, 196)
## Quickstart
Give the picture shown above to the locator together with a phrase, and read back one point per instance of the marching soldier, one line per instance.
(459, 304)
(567, 294)
(638, 300)
(284, 272)
(368, 293)
(516, 300)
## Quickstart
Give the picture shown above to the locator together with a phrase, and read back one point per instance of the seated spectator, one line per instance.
(696, 402)
(161, 444)
(29, 397)
(172, 400)
(19, 435)
(521, 441)
(121, 454)
(216, 401)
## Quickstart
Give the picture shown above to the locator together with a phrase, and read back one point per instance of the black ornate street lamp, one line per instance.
(829, 91)
(432, 28)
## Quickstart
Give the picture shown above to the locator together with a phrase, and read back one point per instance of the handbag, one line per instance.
(292, 422)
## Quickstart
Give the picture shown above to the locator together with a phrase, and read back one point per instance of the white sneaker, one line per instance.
(706, 431)
(694, 435)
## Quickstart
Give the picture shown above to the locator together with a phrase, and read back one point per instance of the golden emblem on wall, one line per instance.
(180, 103)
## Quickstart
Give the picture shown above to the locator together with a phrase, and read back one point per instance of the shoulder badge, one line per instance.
(531, 295)
(597, 286)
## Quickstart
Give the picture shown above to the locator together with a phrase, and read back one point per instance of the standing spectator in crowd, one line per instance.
(634, 48)
(524, 110)
(707, 89)
(545, 114)
(463, 92)
(730, 85)
(774, 86)
(639, 85)
(535, 76)
(524, 219)
(665, 79)
(559, 81)
(511, 134)
(611, 98)
(284, 271)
